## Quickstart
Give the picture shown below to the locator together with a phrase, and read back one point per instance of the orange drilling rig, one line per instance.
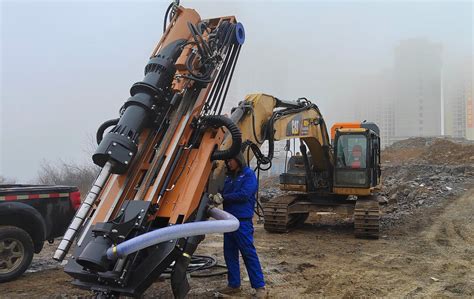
(147, 208)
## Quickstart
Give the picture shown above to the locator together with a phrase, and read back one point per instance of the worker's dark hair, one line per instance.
(240, 159)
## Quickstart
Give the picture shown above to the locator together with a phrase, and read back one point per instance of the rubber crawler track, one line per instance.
(367, 218)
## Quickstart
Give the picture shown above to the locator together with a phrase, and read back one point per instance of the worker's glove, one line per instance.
(216, 199)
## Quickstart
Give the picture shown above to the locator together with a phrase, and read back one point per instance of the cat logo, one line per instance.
(295, 126)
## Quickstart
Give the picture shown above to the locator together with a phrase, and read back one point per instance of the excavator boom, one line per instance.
(262, 117)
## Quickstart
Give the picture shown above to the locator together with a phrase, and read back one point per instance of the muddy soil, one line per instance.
(429, 255)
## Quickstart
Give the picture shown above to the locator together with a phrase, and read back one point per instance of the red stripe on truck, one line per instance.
(35, 196)
(75, 198)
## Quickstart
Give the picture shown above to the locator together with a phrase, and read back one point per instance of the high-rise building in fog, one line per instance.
(456, 114)
(420, 96)
(461, 113)
(459, 108)
(406, 100)
(470, 116)
(418, 89)
(375, 103)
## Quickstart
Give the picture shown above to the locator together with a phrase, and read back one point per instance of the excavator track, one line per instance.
(276, 215)
(367, 218)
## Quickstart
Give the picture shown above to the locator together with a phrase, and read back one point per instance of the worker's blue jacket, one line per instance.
(239, 193)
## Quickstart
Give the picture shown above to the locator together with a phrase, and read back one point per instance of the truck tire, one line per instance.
(16, 252)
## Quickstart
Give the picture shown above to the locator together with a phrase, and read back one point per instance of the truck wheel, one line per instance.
(16, 252)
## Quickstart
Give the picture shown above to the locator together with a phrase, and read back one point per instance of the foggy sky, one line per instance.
(68, 66)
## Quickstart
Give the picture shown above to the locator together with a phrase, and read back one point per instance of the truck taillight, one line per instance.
(75, 198)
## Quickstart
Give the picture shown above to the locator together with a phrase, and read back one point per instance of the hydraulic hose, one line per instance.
(166, 16)
(223, 121)
(103, 127)
(224, 223)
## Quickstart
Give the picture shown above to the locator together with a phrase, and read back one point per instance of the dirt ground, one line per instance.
(426, 247)
(431, 255)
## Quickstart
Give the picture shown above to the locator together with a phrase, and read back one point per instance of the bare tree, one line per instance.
(67, 173)
(5, 180)
(90, 144)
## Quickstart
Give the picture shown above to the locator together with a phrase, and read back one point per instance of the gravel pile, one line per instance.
(430, 150)
(269, 188)
(408, 188)
(424, 172)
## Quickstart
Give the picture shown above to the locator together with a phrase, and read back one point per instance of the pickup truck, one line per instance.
(30, 215)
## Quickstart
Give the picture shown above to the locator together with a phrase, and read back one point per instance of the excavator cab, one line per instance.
(357, 158)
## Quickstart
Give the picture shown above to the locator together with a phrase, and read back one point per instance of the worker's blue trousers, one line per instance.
(242, 240)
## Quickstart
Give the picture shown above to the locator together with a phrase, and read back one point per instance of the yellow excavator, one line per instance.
(339, 176)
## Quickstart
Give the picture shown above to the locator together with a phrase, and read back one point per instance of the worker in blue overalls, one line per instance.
(238, 193)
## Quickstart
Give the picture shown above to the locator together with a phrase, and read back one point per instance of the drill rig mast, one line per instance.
(146, 208)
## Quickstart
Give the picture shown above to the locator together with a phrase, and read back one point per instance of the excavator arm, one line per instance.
(261, 117)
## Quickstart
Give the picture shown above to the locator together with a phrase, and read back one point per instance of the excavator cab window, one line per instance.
(352, 160)
(352, 151)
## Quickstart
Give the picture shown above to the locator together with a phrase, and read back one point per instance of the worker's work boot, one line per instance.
(227, 292)
(261, 293)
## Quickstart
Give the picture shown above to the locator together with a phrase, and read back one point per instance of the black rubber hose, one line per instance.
(166, 16)
(198, 265)
(197, 274)
(103, 127)
(236, 57)
(254, 127)
(223, 121)
(309, 174)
